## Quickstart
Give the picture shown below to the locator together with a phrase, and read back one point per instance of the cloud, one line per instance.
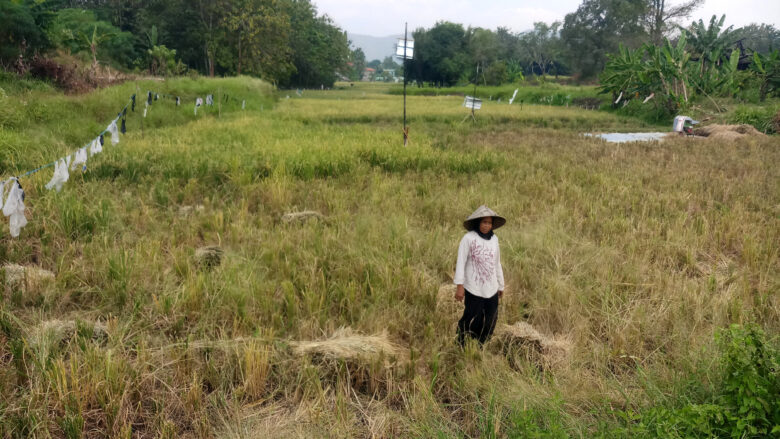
(383, 17)
(374, 17)
(739, 13)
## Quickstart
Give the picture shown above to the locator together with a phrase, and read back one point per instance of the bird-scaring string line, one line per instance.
(18, 216)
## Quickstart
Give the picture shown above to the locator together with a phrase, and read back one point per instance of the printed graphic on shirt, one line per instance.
(482, 260)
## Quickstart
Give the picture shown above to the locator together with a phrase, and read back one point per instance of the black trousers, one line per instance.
(479, 318)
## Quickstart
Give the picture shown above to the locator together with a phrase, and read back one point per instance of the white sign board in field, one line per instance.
(404, 44)
(472, 103)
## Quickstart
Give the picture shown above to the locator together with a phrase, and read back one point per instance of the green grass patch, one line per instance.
(545, 94)
(765, 119)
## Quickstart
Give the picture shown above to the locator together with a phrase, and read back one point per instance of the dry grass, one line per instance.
(51, 335)
(345, 344)
(27, 285)
(305, 215)
(727, 132)
(446, 303)
(532, 346)
(26, 279)
(209, 256)
(634, 254)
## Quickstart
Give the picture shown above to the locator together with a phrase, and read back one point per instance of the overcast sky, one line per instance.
(386, 17)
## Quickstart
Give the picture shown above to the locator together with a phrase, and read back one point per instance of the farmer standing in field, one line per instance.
(479, 276)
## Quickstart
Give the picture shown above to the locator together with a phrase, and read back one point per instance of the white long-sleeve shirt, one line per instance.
(479, 265)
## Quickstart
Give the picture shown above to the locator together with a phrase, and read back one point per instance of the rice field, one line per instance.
(627, 264)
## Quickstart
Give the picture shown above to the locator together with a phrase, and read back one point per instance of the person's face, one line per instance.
(486, 224)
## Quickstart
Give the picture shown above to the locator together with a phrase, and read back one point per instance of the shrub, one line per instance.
(748, 404)
(751, 382)
(763, 119)
(163, 61)
(63, 76)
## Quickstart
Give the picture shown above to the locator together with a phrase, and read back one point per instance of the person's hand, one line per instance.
(460, 293)
(500, 294)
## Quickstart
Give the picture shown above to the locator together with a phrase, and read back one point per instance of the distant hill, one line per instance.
(374, 47)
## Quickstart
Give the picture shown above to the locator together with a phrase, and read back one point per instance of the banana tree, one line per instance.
(94, 42)
(660, 75)
(677, 59)
(651, 70)
(709, 43)
(721, 78)
(621, 74)
(514, 69)
(767, 70)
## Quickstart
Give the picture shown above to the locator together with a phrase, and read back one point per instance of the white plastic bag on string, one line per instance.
(14, 208)
(112, 128)
(198, 103)
(60, 176)
(80, 158)
(95, 147)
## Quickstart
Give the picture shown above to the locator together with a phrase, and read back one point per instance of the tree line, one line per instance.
(283, 41)
(289, 44)
(580, 45)
(701, 63)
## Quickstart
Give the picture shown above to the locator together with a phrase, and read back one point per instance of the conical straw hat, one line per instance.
(481, 212)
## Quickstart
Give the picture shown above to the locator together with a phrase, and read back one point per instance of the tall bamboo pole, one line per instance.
(406, 130)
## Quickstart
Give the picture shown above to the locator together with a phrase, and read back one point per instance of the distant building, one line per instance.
(368, 74)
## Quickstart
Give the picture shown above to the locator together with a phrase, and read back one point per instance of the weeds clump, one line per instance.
(209, 256)
(744, 402)
(520, 343)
